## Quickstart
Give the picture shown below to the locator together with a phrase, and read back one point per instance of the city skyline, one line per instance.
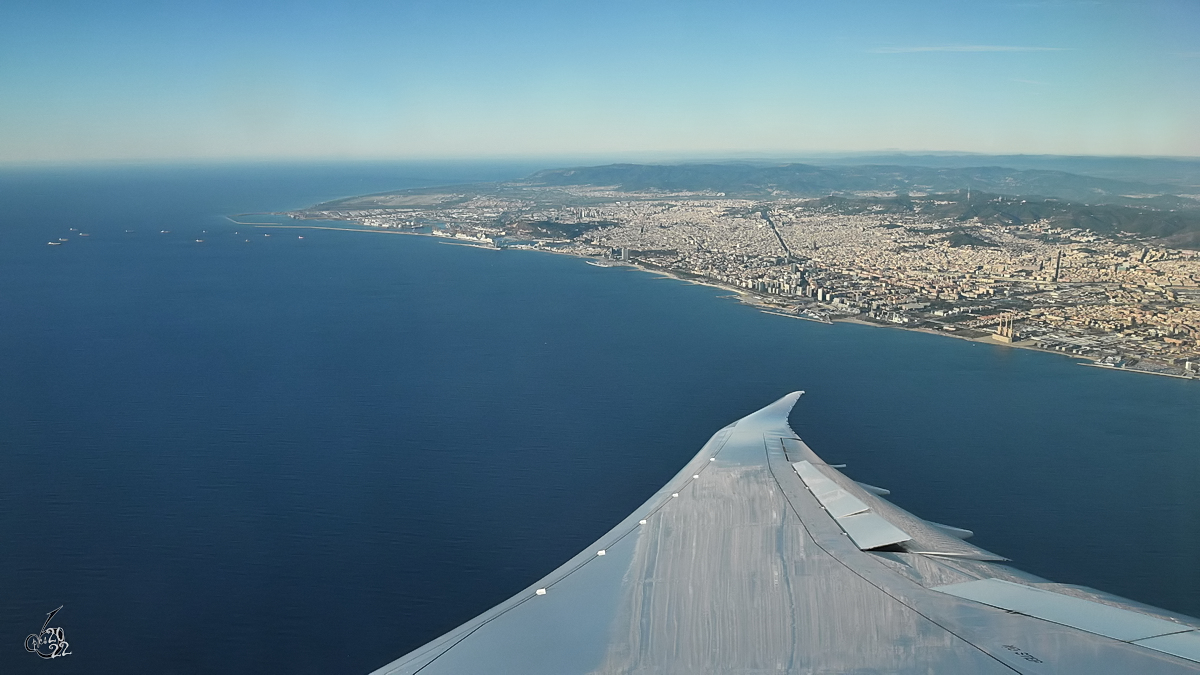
(315, 80)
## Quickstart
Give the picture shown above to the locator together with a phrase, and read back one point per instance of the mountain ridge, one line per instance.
(810, 180)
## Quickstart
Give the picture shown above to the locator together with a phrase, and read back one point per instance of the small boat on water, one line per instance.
(597, 263)
(54, 243)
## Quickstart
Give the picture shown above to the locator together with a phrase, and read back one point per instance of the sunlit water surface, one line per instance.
(311, 455)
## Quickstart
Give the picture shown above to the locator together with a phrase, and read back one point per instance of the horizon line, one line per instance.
(613, 157)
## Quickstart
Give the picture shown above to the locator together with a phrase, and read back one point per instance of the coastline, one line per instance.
(742, 296)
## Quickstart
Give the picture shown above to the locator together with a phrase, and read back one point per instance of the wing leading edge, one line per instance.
(760, 557)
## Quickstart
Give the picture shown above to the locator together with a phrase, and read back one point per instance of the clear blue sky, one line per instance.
(196, 79)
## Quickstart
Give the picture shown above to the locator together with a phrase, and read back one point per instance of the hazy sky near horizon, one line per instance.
(273, 80)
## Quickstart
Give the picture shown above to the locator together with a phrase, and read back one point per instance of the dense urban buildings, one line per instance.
(1117, 299)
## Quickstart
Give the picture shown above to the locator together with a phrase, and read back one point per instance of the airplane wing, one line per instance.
(760, 558)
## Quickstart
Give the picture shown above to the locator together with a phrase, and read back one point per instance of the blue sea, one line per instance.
(311, 452)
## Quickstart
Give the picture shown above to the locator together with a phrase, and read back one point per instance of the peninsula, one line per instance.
(971, 252)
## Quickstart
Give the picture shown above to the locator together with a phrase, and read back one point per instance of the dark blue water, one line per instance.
(312, 455)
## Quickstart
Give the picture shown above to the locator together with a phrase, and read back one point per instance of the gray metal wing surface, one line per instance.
(760, 558)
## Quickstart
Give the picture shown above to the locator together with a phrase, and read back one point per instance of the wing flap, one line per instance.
(868, 530)
(1184, 645)
(1093, 617)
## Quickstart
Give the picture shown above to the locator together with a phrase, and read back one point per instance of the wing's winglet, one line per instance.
(772, 419)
